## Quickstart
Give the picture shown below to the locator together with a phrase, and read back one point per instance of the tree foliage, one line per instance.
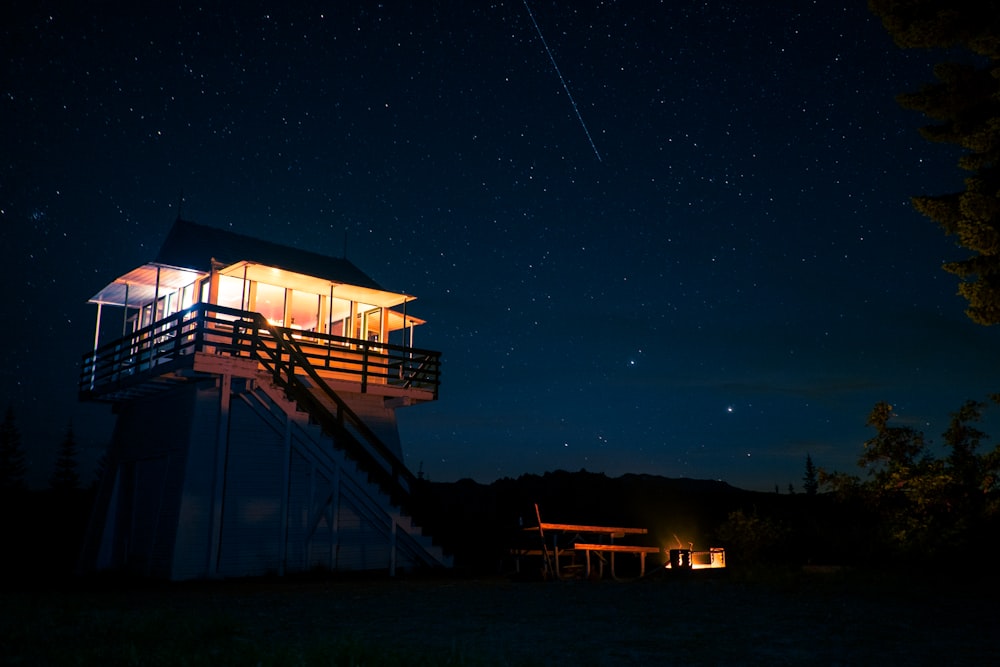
(923, 505)
(754, 538)
(964, 105)
(810, 482)
(13, 464)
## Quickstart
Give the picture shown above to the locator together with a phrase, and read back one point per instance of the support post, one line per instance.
(156, 299)
(335, 522)
(125, 314)
(219, 477)
(285, 490)
(97, 338)
(364, 367)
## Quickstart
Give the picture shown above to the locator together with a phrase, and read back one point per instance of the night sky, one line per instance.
(701, 262)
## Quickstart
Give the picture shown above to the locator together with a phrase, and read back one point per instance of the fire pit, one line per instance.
(691, 559)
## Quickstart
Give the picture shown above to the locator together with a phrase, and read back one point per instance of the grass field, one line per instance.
(787, 618)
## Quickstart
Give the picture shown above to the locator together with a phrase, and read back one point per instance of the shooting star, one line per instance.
(561, 79)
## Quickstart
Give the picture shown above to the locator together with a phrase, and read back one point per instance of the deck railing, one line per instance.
(229, 331)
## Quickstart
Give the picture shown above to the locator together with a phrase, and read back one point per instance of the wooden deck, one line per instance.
(151, 354)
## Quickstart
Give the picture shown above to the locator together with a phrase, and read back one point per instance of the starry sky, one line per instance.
(652, 237)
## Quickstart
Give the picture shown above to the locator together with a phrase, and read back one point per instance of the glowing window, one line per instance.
(231, 292)
(372, 324)
(187, 296)
(340, 317)
(304, 310)
(271, 303)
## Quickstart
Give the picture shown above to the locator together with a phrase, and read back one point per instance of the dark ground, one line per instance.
(789, 618)
(943, 614)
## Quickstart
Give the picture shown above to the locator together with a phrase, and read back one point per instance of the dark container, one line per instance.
(680, 559)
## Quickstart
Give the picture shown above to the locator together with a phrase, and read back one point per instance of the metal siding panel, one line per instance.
(147, 510)
(378, 418)
(364, 545)
(298, 511)
(321, 540)
(312, 542)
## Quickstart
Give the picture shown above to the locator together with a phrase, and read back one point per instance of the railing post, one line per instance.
(364, 368)
(176, 347)
(199, 330)
(291, 364)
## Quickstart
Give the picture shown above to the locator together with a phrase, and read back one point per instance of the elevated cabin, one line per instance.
(255, 387)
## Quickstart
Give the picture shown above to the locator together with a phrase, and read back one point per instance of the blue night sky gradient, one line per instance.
(732, 285)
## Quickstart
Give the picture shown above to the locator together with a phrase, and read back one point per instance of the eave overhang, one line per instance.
(283, 277)
(142, 284)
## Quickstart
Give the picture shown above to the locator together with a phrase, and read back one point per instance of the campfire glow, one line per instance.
(688, 558)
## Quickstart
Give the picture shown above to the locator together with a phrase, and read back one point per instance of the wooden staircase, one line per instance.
(272, 404)
(291, 385)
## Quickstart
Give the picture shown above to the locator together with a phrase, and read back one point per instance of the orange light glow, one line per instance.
(686, 557)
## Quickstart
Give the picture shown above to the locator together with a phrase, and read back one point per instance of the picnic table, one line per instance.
(572, 539)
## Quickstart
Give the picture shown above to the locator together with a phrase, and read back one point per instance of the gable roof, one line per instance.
(192, 246)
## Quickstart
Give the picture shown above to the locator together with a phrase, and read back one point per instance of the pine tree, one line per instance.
(12, 458)
(65, 476)
(965, 105)
(810, 484)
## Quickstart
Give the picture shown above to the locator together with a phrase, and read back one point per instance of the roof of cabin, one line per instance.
(192, 246)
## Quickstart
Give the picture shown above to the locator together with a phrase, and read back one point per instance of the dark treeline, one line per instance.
(479, 523)
(65, 475)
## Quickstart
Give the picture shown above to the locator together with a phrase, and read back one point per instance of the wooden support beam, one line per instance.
(612, 531)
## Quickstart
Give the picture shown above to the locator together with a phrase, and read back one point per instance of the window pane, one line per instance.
(231, 292)
(271, 303)
(305, 310)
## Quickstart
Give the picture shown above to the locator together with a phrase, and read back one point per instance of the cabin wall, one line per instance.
(322, 522)
(328, 498)
(372, 409)
(200, 514)
(252, 524)
(136, 515)
(207, 487)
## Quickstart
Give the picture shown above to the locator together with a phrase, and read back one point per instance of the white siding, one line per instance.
(164, 517)
(251, 532)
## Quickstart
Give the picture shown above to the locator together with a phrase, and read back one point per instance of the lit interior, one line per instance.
(284, 298)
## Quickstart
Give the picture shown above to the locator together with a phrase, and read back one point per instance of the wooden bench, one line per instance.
(612, 549)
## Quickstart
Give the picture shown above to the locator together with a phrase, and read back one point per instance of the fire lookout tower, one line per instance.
(255, 387)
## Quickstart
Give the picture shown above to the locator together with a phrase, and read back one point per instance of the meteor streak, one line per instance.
(562, 80)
